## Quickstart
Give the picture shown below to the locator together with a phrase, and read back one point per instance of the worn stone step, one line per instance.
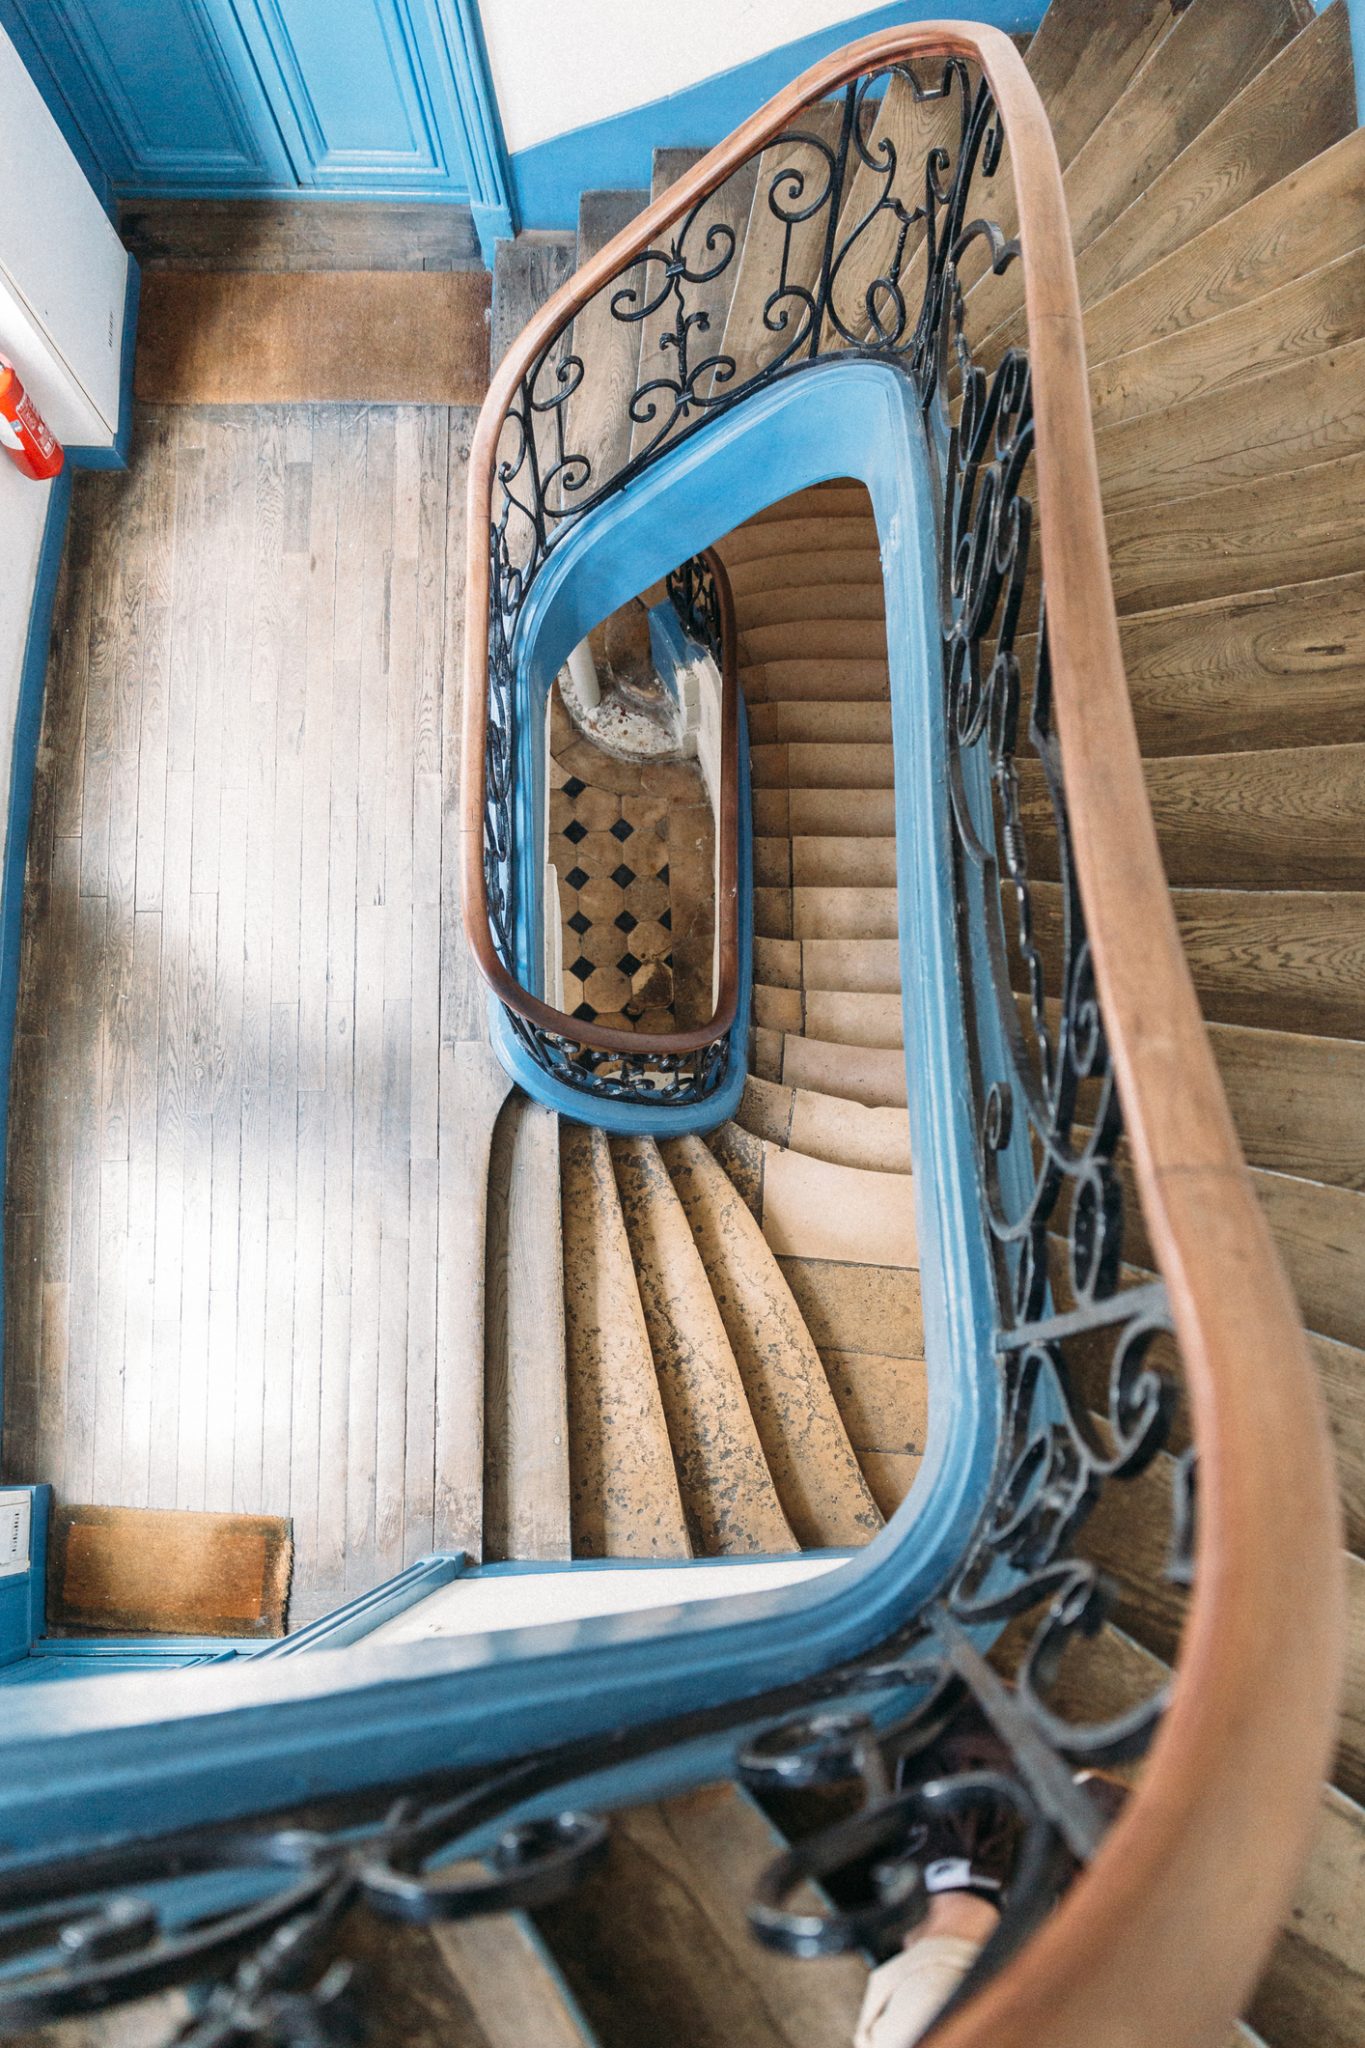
(624, 1485)
(826, 1126)
(732, 1504)
(818, 1481)
(838, 720)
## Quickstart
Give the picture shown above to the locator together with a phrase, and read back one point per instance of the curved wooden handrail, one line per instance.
(1161, 1938)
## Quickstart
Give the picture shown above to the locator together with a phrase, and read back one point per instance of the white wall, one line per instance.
(63, 269)
(23, 508)
(560, 64)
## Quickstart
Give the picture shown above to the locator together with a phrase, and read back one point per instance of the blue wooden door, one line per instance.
(162, 93)
(361, 98)
(364, 94)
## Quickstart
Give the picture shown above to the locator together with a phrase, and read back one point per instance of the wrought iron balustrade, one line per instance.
(1070, 1044)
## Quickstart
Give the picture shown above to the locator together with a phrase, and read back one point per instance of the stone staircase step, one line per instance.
(826, 1126)
(842, 721)
(526, 1433)
(625, 1496)
(859, 1073)
(732, 1504)
(851, 1017)
(818, 1481)
(831, 681)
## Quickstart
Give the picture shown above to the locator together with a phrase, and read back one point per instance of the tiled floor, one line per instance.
(633, 844)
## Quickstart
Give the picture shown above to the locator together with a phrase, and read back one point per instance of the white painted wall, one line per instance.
(560, 64)
(63, 269)
(23, 508)
(471, 1606)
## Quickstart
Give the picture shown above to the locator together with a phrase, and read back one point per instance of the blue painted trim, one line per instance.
(358, 1617)
(94, 1759)
(670, 648)
(23, 1595)
(491, 198)
(28, 719)
(1355, 10)
(152, 1648)
(618, 153)
(120, 454)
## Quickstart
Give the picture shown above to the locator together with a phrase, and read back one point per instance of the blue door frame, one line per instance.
(361, 99)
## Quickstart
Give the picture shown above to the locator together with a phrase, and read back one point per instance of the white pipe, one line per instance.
(583, 669)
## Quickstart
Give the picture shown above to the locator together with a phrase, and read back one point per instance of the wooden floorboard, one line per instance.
(242, 968)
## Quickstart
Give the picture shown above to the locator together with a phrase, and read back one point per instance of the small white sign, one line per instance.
(16, 1510)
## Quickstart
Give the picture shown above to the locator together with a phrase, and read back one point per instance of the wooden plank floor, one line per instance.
(244, 983)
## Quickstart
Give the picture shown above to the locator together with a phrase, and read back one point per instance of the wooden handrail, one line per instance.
(1161, 1937)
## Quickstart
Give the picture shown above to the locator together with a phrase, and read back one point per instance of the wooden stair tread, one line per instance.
(754, 335)
(1275, 818)
(1308, 316)
(1081, 61)
(1256, 668)
(1243, 537)
(1288, 417)
(1296, 107)
(1305, 221)
(727, 1489)
(625, 1496)
(656, 1945)
(1215, 49)
(512, 1988)
(1128, 1534)
(1285, 961)
(819, 1484)
(597, 424)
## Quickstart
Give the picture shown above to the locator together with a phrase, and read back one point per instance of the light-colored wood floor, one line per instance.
(244, 986)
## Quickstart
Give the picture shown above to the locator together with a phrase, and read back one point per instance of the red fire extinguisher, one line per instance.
(25, 435)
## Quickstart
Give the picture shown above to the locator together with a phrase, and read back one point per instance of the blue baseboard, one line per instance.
(617, 154)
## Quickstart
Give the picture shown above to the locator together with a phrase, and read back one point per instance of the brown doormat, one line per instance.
(167, 1572)
(254, 337)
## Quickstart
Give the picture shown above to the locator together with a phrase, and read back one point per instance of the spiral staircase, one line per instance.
(743, 1340)
(713, 1343)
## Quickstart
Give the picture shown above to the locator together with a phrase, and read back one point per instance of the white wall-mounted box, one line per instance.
(63, 270)
(16, 1528)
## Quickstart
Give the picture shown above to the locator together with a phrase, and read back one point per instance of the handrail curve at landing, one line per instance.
(1161, 1935)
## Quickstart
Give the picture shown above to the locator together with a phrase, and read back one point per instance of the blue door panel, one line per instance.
(364, 94)
(360, 98)
(166, 93)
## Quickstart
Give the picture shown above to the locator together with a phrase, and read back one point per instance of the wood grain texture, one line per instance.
(251, 1085)
(674, 1890)
(1298, 106)
(1294, 228)
(1307, 317)
(208, 337)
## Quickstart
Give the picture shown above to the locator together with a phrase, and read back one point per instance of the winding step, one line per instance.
(727, 1489)
(813, 1466)
(624, 1486)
